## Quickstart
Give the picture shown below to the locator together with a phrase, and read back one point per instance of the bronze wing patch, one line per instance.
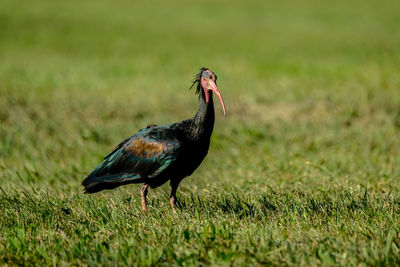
(145, 149)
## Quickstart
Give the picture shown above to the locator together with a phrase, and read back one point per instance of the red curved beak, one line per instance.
(210, 85)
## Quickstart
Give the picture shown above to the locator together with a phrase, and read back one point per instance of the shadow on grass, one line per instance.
(324, 205)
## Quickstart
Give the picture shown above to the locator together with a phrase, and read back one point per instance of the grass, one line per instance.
(304, 169)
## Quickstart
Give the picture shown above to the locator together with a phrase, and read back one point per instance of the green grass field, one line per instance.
(303, 170)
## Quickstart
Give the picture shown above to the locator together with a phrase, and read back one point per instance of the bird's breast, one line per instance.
(192, 156)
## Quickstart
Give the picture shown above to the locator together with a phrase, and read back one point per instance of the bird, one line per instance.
(158, 154)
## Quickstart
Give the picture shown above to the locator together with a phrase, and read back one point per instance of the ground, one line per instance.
(304, 169)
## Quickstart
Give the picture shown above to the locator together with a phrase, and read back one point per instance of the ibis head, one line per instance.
(208, 81)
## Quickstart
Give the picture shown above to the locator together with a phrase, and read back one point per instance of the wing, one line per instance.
(143, 155)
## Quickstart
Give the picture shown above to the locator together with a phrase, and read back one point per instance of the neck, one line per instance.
(203, 121)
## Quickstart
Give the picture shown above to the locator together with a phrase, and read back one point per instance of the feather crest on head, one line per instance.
(196, 80)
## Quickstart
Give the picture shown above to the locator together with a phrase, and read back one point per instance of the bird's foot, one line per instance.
(172, 202)
(143, 193)
(144, 208)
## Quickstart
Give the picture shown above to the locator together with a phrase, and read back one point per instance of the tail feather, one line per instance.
(95, 184)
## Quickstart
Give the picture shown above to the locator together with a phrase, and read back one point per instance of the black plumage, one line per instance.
(157, 154)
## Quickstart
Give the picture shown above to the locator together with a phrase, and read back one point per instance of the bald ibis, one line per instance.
(157, 154)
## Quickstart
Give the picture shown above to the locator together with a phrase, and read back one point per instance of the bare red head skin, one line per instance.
(209, 82)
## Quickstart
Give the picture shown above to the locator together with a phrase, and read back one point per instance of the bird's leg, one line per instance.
(143, 193)
(172, 198)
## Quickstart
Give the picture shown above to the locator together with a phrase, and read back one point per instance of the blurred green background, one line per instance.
(313, 102)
